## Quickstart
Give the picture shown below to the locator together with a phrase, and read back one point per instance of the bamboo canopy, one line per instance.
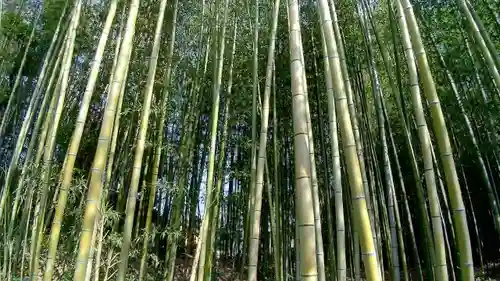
(249, 140)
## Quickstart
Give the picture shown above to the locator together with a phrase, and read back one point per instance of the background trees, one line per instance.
(129, 145)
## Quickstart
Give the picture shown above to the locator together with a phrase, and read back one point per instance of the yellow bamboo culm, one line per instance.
(140, 145)
(67, 170)
(101, 154)
(307, 268)
(444, 146)
(361, 217)
(259, 184)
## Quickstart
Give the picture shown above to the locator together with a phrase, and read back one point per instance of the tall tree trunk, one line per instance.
(50, 144)
(362, 219)
(444, 147)
(67, 170)
(253, 252)
(440, 268)
(305, 224)
(140, 145)
(101, 155)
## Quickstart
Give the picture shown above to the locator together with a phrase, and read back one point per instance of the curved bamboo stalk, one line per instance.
(218, 189)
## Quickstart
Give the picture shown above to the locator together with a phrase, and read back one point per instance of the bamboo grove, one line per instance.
(249, 140)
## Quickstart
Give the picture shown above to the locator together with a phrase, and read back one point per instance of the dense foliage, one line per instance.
(249, 140)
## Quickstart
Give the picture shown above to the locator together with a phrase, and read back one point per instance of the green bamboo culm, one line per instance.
(38, 231)
(101, 155)
(67, 170)
(139, 146)
(444, 147)
(482, 38)
(159, 140)
(142, 136)
(257, 206)
(361, 218)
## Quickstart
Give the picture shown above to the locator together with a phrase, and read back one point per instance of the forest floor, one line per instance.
(226, 272)
(491, 272)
